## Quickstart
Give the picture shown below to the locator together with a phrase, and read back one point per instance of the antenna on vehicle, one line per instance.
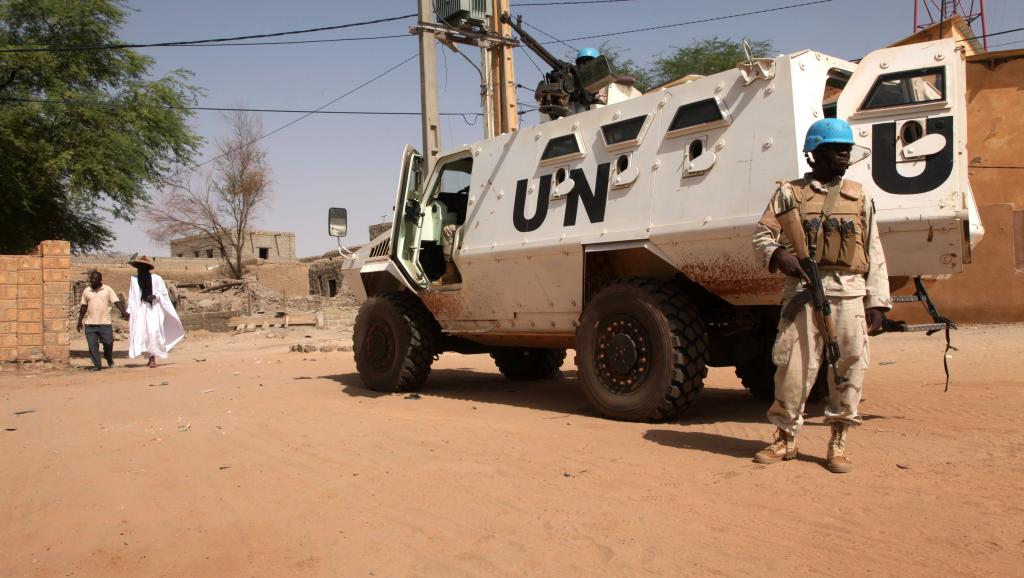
(746, 50)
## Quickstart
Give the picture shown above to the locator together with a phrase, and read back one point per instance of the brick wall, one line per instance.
(34, 298)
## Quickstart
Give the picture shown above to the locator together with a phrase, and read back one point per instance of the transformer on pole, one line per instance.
(475, 23)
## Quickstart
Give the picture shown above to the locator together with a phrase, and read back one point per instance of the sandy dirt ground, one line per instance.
(238, 458)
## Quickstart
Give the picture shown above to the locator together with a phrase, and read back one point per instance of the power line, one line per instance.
(549, 36)
(84, 47)
(237, 109)
(519, 5)
(285, 42)
(526, 51)
(990, 34)
(308, 114)
(701, 21)
(1005, 43)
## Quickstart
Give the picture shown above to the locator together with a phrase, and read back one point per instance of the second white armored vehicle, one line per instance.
(623, 232)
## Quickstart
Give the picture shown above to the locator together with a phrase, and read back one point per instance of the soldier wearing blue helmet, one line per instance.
(586, 54)
(838, 218)
(583, 56)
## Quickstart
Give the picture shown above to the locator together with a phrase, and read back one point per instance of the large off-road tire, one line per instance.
(641, 351)
(758, 376)
(394, 340)
(528, 363)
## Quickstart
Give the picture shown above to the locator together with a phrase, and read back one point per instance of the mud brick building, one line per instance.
(34, 300)
(266, 245)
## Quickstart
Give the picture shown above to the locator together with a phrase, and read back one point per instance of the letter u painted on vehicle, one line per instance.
(594, 200)
(937, 167)
(519, 219)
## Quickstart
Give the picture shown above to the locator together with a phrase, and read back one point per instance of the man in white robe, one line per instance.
(154, 325)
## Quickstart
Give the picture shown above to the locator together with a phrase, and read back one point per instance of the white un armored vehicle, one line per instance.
(624, 231)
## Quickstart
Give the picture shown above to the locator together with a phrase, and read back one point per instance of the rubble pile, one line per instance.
(239, 297)
(247, 297)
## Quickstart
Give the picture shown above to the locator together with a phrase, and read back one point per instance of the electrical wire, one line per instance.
(990, 34)
(701, 21)
(237, 109)
(306, 115)
(1005, 43)
(569, 2)
(526, 51)
(287, 42)
(571, 47)
(207, 41)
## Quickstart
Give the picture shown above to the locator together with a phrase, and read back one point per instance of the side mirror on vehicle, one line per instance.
(337, 222)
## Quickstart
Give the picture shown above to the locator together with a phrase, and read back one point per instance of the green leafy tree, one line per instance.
(621, 64)
(83, 132)
(705, 57)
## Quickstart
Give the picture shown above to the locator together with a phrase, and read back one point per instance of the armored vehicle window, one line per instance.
(834, 85)
(908, 87)
(560, 147)
(452, 188)
(696, 113)
(623, 131)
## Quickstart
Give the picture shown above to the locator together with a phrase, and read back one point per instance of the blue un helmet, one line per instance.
(587, 53)
(828, 130)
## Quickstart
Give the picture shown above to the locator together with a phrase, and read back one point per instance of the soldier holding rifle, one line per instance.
(820, 232)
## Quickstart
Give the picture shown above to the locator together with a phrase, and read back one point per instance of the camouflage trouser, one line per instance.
(448, 241)
(798, 354)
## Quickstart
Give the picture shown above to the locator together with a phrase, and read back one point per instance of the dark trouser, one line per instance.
(93, 335)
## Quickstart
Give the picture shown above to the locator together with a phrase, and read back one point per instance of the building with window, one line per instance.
(272, 246)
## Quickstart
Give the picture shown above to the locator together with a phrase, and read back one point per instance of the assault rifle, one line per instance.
(794, 228)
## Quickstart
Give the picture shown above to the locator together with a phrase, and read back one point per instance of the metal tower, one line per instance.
(930, 12)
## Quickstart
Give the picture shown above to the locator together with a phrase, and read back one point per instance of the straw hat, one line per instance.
(141, 261)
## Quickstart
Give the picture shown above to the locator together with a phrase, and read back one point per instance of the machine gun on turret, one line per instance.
(568, 88)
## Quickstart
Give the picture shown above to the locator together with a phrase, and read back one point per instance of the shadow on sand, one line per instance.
(84, 353)
(717, 444)
(563, 395)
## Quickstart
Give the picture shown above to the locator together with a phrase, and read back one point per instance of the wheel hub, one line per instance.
(623, 355)
(380, 345)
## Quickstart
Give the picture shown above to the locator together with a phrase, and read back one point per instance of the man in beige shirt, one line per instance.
(839, 221)
(94, 315)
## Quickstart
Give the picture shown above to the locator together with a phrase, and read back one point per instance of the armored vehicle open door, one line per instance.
(907, 104)
(424, 207)
(409, 217)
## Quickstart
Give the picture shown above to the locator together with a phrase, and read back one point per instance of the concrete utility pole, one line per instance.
(428, 89)
(503, 74)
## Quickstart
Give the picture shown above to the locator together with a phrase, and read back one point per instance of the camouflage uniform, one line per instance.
(860, 282)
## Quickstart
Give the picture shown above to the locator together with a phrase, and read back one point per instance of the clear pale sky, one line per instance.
(352, 161)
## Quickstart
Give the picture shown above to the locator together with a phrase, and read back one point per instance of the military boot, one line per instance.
(451, 274)
(838, 462)
(783, 448)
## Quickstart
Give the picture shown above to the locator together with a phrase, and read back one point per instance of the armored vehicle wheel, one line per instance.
(528, 363)
(394, 341)
(758, 377)
(641, 351)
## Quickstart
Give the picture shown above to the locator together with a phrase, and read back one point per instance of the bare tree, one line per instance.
(223, 206)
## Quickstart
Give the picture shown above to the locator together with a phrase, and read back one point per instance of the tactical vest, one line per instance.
(838, 243)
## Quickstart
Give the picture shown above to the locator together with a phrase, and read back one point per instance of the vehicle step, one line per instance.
(919, 327)
(905, 298)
